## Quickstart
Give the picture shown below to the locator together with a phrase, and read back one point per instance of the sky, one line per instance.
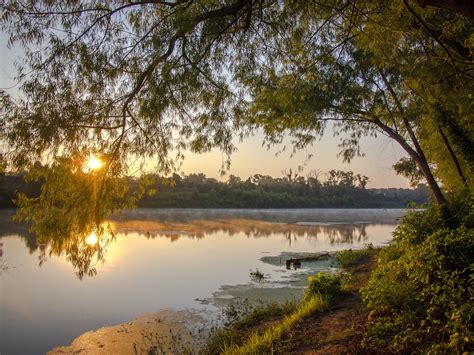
(253, 158)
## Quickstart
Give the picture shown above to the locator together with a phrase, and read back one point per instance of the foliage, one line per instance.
(409, 169)
(258, 191)
(68, 202)
(67, 211)
(141, 82)
(421, 293)
(262, 343)
(240, 316)
(262, 191)
(325, 284)
(349, 258)
(352, 75)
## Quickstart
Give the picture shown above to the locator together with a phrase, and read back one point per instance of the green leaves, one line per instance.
(420, 294)
(151, 80)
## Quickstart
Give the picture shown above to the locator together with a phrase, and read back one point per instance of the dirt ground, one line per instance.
(337, 330)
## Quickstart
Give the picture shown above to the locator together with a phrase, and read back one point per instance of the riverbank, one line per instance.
(327, 319)
(416, 298)
(165, 332)
(337, 330)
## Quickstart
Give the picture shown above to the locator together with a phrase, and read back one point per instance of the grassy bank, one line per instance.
(264, 328)
(415, 296)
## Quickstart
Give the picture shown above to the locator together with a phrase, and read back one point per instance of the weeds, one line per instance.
(240, 316)
(326, 285)
(421, 293)
(257, 275)
(262, 343)
(349, 258)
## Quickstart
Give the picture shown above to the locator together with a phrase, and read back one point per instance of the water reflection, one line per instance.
(84, 250)
(336, 233)
(86, 246)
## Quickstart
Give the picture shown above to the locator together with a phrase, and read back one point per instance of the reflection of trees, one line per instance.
(8, 227)
(81, 252)
(287, 237)
(346, 233)
(84, 255)
(336, 233)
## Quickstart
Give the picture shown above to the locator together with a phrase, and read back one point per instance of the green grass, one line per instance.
(350, 258)
(241, 316)
(238, 337)
(261, 343)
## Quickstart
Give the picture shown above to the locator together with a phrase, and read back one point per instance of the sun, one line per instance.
(94, 163)
(92, 239)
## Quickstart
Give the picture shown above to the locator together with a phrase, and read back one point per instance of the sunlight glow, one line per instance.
(94, 163)
(92, 239)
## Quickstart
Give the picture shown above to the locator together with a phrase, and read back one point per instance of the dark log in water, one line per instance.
(296, 262)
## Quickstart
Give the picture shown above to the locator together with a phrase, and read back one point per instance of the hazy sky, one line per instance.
(381, 154)
(252, 157)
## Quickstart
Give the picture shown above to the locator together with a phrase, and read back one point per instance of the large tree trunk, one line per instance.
(420, 161)
(416, 153)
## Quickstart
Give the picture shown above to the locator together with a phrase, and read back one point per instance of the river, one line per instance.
(172, 259)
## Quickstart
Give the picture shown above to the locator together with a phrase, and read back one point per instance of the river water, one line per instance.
(162, 259)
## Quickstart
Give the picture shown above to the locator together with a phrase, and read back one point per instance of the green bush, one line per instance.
(325, 284)
(349, 258)
(421, 293)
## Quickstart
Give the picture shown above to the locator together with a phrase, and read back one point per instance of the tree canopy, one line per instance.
(144, 80)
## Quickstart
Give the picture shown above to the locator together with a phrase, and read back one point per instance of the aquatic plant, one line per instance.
(257, 275)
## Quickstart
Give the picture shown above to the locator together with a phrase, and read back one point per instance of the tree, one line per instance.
(375, 68)
(150, 78)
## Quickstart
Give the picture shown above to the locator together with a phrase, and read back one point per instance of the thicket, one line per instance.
(421, 295)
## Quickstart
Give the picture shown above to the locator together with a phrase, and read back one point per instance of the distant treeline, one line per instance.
(337, 189)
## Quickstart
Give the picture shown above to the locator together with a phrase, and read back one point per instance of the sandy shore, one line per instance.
(166, 332)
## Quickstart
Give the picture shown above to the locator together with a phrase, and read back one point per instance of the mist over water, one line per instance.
(291, 215)
(161, 259)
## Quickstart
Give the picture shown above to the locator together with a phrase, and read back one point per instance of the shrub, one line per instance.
(324, 284)
(421, 293)
(349, 258)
